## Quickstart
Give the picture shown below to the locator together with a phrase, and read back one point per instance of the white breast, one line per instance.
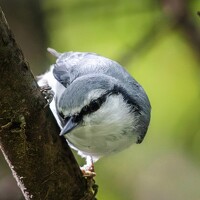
(110, 129)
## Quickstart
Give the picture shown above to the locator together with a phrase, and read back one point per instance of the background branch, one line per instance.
(41, 161)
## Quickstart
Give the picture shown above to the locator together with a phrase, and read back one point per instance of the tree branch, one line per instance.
(181, 16)
(41, 161)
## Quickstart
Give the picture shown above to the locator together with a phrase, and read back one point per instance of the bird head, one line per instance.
(100, 103)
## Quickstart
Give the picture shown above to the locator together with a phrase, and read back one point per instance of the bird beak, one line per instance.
(69, 126)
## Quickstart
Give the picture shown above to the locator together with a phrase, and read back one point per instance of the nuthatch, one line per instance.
(99, 107)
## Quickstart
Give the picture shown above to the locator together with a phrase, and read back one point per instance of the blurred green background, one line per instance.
(158, 41)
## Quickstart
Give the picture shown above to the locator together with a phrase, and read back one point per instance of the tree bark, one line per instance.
(40, 160)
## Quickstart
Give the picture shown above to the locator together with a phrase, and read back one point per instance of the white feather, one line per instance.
(112, 127)
(108, 130)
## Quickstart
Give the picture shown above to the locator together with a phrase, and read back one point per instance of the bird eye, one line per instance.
(77, 118)
(94, 105)
(66, 119)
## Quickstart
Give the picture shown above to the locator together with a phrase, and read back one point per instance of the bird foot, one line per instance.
(88, 171)
(47, 93)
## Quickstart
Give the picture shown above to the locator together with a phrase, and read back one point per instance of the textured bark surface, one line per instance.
(40, 160)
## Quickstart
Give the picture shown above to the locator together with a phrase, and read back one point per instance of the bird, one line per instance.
(100, 108)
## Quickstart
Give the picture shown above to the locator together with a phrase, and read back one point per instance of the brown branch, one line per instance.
(181, 16)
(41, 161)
(176, 16)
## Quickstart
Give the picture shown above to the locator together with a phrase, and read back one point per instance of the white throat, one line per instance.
(110, 129)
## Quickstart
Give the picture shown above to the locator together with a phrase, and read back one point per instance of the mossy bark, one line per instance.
(41, 161)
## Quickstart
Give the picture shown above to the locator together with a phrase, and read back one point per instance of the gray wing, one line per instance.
(72, 65)
(75, 65)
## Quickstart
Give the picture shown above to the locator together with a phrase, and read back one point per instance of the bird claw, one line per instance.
(88, 173)
(92, 186)
(47, 93)
(88, 170)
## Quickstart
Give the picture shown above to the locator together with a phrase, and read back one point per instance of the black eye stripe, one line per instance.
(88, 109)
(63, 119)
(95, 104)
(77, 118)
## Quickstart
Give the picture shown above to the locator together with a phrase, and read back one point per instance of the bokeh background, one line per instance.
(158, 41)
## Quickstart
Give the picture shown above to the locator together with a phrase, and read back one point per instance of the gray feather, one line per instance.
(74, 69)
(72, 65)
(74, 95)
